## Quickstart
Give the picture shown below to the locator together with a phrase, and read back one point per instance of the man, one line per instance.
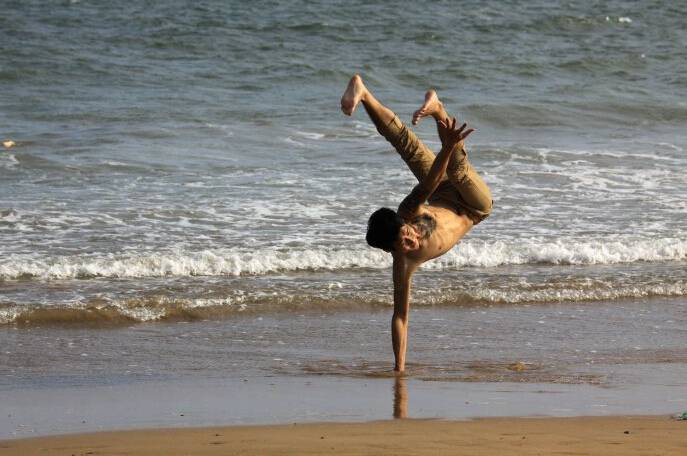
(458, 198)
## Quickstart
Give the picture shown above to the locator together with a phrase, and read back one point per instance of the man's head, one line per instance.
(387, 231)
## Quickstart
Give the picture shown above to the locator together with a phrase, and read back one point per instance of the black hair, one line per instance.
(383, 228)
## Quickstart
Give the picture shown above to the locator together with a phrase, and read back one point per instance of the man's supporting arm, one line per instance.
(402, 272)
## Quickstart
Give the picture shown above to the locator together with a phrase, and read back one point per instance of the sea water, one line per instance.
(188, 162)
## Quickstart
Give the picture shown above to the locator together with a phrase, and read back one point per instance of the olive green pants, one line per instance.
(461, 187)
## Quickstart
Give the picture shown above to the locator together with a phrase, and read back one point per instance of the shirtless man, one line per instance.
(457, 198)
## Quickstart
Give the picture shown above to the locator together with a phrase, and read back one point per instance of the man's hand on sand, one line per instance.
(450, 134)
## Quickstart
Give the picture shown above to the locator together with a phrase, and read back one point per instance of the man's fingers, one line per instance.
(465, 135)
(455, 133)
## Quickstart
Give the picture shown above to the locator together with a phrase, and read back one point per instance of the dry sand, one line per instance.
(526, 436)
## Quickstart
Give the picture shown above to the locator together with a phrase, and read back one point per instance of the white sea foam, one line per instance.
(9, 215)
(224, 128)
(670, 146)
(9, 315)
(490, 254)
(290, 140)
(263, 261)
(8, 161)
(116, 163)
(622, 20)
(188, 263)
(310, 135)
(611, 291)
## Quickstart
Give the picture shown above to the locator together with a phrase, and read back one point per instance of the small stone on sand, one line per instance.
(517, 367)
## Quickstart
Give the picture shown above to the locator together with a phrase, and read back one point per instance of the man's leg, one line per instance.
(475, 195)
(417, 156)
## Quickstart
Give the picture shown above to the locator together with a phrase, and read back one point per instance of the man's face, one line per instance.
(408, 239)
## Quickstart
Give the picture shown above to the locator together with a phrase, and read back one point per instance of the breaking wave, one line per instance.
(173, 308)
(264, 261)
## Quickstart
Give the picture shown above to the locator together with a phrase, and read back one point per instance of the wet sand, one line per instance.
(508, 361)
(275, 400)
(573, 436)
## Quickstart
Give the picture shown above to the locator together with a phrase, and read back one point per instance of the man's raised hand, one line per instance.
(450, 134)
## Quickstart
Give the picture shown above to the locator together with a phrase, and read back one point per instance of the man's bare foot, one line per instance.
(353, 95)
(431, 107)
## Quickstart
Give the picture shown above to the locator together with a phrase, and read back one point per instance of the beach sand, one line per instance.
(653, 435)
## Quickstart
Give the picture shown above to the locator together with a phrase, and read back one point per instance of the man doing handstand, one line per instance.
(457, 197)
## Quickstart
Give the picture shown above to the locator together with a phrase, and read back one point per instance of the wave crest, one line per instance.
(173, 308)
(264, 261)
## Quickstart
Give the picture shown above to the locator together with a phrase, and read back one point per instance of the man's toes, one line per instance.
(417, 115)
(347, 108)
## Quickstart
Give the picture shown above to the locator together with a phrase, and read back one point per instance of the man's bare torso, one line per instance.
(449, 228)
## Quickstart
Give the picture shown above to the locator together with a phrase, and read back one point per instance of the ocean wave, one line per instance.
(120, 311)
(181, 263)
(473, 253)
(170, 308)
(563, 252)
(108, 312)
(554, 294)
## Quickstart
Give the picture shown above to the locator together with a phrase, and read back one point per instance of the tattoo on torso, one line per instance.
(425, 225)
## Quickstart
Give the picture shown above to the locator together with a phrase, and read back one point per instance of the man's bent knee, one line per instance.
(478, 215)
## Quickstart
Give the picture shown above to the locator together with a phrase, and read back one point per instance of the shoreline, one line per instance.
(608, 435)
(557, 361)
(164, 403)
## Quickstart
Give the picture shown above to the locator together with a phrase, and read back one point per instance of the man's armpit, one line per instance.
(410, 203)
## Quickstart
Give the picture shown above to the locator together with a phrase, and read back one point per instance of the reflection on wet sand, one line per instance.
(473, 371)
(400, 398)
